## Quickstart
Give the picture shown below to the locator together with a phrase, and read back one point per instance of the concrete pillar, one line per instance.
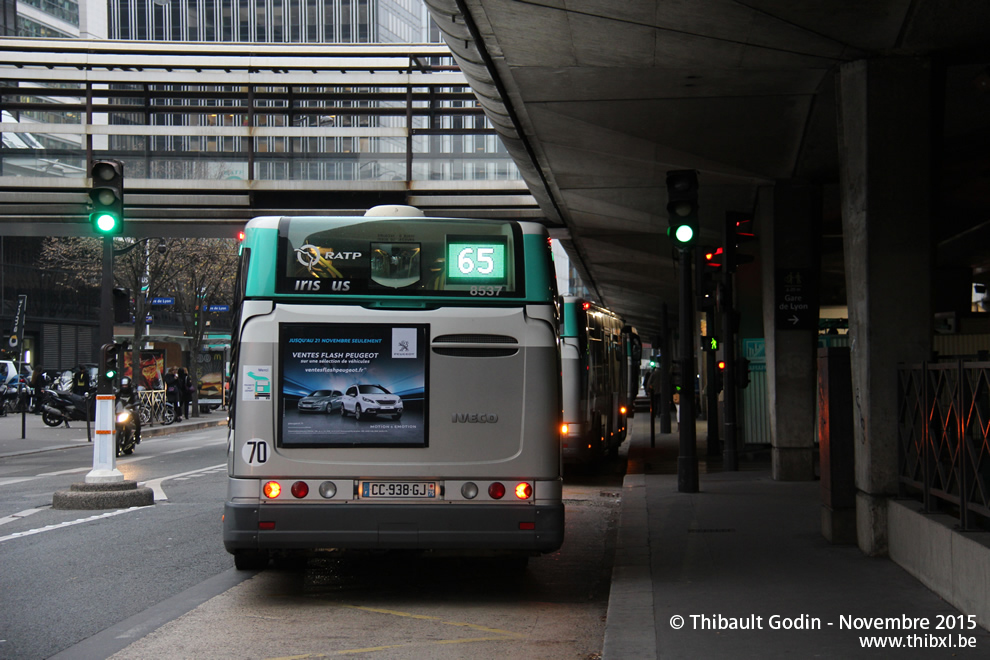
(789, 224)
(885, 135)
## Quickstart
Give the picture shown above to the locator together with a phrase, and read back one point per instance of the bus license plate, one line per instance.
(398, 489)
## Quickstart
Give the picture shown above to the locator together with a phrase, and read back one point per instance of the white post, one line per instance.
(105, 446)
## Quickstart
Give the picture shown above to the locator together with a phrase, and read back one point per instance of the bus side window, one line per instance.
(240, 287)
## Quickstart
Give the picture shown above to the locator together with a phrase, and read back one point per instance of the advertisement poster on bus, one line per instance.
(353, 385)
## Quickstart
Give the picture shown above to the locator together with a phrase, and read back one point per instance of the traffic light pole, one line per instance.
(730, 460)
(665, 393)
(106, 295)
(687, 459)
(712, 391)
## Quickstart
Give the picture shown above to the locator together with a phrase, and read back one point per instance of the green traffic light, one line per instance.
(110, 374)
(106, 223)
(684, 233)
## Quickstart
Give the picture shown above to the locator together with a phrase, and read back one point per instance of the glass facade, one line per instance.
(63, 10)
(452, 152)
(269, 21)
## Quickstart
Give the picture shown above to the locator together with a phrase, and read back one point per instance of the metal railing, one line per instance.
(944, 437)
(155, 402)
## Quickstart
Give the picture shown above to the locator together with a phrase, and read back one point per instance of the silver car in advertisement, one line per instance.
(320, 401)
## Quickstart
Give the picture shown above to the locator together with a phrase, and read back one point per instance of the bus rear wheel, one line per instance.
(250, 560)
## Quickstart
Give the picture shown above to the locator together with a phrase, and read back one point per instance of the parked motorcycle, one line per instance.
(16, 399)
(63, 407)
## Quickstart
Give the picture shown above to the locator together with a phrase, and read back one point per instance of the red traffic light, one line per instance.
(721, 365)
(744, 228)
(714, 259)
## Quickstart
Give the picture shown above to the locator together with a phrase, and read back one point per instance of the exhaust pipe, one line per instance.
(55, 411)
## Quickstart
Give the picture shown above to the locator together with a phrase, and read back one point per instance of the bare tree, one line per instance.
(196, 272)
(205, 277)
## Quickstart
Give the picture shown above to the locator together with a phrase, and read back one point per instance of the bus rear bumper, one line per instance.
(249, 526)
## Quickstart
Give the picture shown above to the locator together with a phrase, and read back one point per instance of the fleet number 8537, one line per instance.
(486, 290)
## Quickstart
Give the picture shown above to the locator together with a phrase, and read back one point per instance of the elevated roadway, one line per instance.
(212, 135)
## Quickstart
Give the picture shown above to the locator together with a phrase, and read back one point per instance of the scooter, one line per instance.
(64, 407)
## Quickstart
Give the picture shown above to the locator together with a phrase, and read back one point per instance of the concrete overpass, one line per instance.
(857, 134)
(598, 100)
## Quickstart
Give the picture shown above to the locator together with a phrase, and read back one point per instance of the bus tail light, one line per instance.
(527, 525)
(300, 489)
(524, 491)
(496, 491)
(563, 429)
(622, 410)
(266, 525)
(272, 489)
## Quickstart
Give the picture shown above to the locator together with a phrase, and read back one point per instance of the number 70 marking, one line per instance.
(255, 452)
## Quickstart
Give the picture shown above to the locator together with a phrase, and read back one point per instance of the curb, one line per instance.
(148, 432)
(159, 429)
(113, 495)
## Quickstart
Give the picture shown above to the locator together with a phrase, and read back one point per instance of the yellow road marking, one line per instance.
(473, 626)
(497, 635)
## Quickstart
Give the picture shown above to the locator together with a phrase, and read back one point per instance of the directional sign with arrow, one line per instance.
(796, 298)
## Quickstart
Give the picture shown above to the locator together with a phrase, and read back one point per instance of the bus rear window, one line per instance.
(401, 257)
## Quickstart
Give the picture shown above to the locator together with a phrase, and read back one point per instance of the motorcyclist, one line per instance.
(127, 396)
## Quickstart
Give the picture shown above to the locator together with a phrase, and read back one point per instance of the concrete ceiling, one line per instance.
(598, 99)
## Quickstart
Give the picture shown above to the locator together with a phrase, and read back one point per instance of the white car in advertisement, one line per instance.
(366, 401)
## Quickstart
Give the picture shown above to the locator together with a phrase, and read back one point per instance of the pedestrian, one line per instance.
(37, 390)
(172, 391)
(80, 381)
(653, 390)
(185, 392)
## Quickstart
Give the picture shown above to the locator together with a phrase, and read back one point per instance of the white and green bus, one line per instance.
(597, 355)
(433, 345)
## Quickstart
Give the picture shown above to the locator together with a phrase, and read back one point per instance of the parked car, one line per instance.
(8, 372)
(370, 400)
(324, 401)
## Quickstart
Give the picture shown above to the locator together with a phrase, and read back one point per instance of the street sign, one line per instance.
(218, 308)
(16, 334)
(754, 350)
(163, 300)
(796, 298)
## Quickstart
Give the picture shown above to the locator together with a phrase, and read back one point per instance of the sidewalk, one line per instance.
(38, 437)
(708, 574)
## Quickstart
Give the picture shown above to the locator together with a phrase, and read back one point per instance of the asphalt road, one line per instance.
(68, 574)
(156, 582)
